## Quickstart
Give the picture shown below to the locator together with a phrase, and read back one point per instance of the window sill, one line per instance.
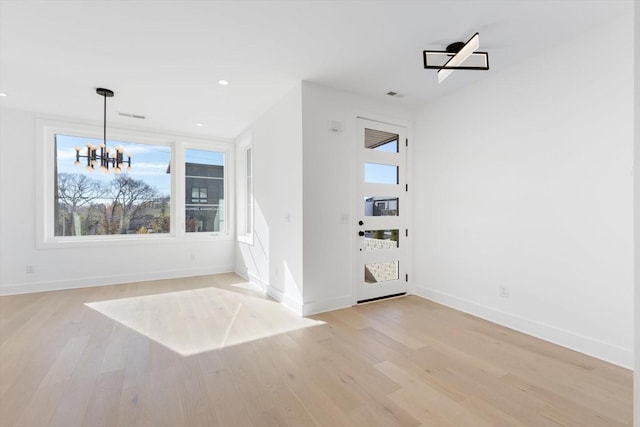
(246, 239)
(126, 240)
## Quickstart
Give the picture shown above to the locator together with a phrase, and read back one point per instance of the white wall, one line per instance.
(636, 168)
(302, 252)
(274, 261)
(524, 180)
(57, 268)
(329, 188)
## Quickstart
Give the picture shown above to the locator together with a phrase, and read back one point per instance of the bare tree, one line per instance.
(75, 191)
(131, 197)
(88, 206)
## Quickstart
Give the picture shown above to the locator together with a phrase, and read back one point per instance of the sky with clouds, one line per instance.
(149, 162)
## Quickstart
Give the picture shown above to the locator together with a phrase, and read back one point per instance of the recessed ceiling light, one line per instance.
(199, 124)
(223, 82)
(3, 94)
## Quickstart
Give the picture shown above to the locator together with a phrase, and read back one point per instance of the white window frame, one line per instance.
(245, 215)
(46, 129)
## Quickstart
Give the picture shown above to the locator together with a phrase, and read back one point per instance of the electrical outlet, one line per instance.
(504, 292)
(28, 269)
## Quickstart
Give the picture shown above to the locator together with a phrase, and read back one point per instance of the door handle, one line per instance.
(360, 222)
(360, 233)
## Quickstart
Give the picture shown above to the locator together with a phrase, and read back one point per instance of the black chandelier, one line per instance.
(103, 159)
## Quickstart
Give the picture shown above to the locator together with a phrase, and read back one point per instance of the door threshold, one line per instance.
(364, 301)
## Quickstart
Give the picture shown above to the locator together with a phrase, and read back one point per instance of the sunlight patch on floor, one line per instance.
(198, 320)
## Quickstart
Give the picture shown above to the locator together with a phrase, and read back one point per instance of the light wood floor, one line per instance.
(210, 351)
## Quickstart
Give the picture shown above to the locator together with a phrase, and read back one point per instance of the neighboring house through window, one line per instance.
(204, 190)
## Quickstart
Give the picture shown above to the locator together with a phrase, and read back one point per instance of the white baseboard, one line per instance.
(285, 300)
(255, 280)
(598, 349)
(309, 308)
(316, 307)
(87, 282)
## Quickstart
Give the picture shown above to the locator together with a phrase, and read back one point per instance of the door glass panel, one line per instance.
(380, 239)
(381, 272)
(380, 141)
(380, 206)
(377, 173)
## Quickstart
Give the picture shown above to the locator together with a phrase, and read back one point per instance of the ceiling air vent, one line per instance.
(133, 116)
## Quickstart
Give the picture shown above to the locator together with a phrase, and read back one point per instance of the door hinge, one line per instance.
(406, 142)
(406, 277)
(406, 232)
(406, 187)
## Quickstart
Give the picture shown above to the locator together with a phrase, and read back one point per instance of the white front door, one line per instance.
(381, 264)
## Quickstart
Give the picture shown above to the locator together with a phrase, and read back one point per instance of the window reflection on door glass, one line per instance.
(380, 141)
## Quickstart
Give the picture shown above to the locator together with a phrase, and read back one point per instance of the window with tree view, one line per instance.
(204, 191)
(91, 202)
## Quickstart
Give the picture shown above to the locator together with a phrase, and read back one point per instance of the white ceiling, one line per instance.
(163, 58)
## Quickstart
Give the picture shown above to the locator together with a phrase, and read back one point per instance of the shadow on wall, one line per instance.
(267, 263)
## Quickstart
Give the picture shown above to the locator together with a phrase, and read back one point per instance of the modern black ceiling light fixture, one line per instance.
(457, 56)
(103, 158)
